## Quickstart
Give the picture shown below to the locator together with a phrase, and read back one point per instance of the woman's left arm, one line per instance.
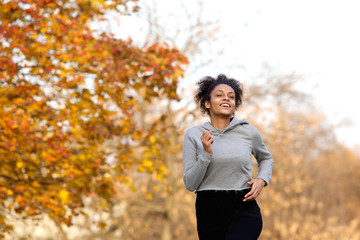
(265, 162)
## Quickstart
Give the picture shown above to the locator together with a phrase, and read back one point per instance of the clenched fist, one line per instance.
(207, 140)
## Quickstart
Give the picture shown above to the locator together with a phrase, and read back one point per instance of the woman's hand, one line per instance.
(207, 140)
(256, 187)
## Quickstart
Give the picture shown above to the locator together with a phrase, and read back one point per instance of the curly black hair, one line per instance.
(207, 84)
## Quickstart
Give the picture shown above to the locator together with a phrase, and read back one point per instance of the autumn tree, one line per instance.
(66, 91)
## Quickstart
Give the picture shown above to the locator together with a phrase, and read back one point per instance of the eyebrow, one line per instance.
(223, 91)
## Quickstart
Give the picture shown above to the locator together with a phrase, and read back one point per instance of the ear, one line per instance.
(207, 104)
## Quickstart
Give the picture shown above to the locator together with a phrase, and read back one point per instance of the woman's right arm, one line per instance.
(195, 163)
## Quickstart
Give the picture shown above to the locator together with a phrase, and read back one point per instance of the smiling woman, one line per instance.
(208, 84)
(222, 101)
(217, 165)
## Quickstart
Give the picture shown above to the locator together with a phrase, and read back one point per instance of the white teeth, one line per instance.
(225, 105)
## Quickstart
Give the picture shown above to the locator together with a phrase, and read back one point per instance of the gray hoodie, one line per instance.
(229, 166)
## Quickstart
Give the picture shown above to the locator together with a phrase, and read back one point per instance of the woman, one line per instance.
(217, 165)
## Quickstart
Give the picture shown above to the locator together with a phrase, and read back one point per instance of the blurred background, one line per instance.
(97, 95)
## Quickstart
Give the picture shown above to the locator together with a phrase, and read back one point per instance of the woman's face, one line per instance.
(222, 101)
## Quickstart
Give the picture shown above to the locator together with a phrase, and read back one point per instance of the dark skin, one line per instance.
(222, 108)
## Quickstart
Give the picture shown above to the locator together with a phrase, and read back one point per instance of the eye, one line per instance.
(218, 95)
(232, 97)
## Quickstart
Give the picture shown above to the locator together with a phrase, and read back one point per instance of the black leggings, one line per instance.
(224, 215)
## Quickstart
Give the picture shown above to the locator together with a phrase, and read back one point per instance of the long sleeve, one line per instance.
(262, 156)
(195, 163)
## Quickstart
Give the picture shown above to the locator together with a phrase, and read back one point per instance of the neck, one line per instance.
(220, 123)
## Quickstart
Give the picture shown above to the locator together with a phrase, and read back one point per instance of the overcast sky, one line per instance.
(319, 39)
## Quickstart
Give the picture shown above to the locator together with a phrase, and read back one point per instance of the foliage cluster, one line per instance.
(65, 92)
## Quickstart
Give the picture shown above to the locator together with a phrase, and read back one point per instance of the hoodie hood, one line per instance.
(234, 123)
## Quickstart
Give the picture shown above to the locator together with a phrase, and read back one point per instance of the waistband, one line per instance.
(224, 191)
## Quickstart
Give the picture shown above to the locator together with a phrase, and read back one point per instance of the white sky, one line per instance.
(316, 38)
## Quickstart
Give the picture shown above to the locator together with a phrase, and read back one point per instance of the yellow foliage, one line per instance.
(152, 139)
(19, 164)
(147, 163)
(149, 196)
(64, 196)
